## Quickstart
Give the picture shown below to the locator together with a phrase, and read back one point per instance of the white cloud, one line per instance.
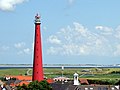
(104, 30)
(18, 48)
(71, 1)
(24, 51)
(74, 49)
(54, 40)
(5, 48)
(117, 50)
(99, 27)
(19, 45)
(117, 32)
(79, 40)
(27, 50)
(53, 50)
(22, 48)
(69, 49)
(9, 5)
(20, 52)
(80, 29)
(44, 28)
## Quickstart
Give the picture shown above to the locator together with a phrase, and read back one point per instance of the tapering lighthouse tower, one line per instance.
(37, 63)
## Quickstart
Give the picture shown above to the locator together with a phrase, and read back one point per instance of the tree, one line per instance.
(35, 85)
(23, 87)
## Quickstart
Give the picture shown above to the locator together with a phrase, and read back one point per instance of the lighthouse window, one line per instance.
(37, 56)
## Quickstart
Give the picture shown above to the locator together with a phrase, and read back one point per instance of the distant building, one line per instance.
(61, 79)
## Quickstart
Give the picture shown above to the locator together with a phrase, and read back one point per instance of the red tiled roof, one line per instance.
(27, 78)
(21, 83)
(50, 80)
(83, 80)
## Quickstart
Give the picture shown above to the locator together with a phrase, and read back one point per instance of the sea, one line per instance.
(54, 66)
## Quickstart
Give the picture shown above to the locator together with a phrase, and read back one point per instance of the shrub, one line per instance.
(35, 85)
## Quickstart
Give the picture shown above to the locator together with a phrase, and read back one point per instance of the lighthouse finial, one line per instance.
(37, 18)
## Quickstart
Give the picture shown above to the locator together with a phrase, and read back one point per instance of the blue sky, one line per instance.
(73, 31)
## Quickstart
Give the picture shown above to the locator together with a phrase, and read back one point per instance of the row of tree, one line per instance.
(115, 72)
(104, 82)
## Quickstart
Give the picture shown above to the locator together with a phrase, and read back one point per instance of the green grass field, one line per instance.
(4, 72)
(89, 73)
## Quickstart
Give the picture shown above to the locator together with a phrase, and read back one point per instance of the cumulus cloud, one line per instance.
(44, 28)
(53, 50)
(22, 48)
(54, 40)
(24, 51)
(71, 1)
(27, 50)
(74, 49)
(99, 27)
(117, 50)
(5, 48)
(20, 52)
(104, 30)
(117, 32)
(79, 40)
(19, 45)
(9, 5)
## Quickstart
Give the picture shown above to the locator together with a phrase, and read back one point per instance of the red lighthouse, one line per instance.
(37, 63)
